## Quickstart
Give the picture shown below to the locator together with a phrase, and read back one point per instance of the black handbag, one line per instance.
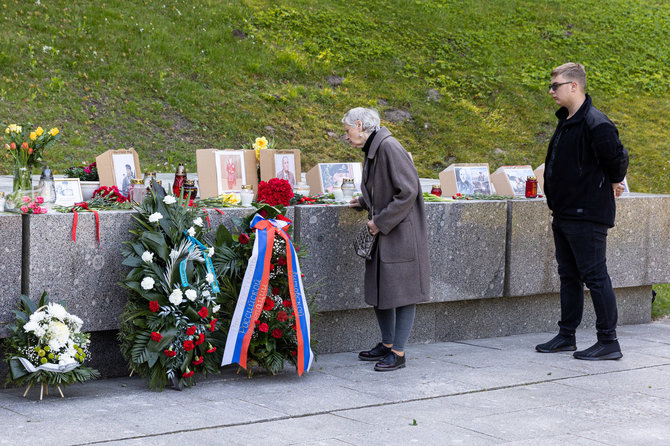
(364, 242)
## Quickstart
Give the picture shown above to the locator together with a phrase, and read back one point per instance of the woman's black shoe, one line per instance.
(390, 362)
(375, 354)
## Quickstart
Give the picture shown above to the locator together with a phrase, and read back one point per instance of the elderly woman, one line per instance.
(398, 275)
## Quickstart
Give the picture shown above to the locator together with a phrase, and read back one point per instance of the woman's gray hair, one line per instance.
(368, 116)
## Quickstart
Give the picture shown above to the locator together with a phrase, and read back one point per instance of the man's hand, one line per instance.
(372, 227)
(618, 189)
(354, 203)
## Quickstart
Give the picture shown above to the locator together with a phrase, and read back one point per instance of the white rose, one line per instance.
(211, 252)
(174, 254)
(191, 295)
(216, 308)
(198, 222)
(169, 199)
(176, 297)
(209, 277)
(147, 257)
(148, 283)
(153, 218)
(191, 231)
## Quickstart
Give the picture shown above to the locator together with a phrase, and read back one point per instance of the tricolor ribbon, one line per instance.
(208, 263)
(84, 205)
(254, 291)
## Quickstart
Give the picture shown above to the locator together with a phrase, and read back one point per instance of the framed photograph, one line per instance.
(285, 167)
(124, 171)
(230, 171)
(466, 179)
(511, 180)
(68, 191)
(332, 174)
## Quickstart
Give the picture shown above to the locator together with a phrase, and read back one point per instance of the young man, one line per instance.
(584, 168)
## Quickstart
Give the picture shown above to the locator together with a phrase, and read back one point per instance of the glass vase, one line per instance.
(23, 178)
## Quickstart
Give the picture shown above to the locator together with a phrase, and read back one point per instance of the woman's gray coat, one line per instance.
(399, 272)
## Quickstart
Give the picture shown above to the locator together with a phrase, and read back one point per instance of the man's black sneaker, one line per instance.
(559, 343)
(600, 351)
(375, 354)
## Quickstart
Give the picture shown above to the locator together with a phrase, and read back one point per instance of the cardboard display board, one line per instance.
(118, 167)
(465, 178)
(222, 171)
(322, 177)
(284, 164)
(539, 174)
(511, 180)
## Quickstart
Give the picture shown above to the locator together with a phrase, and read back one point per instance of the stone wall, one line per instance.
(492, 268)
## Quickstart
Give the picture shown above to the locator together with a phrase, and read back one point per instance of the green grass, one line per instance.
(169, 77)
(661, 305)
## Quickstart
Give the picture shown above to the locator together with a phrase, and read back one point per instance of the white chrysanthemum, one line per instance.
(191, 295)
(65, 359)
(198, 222)
(147, 257)
(40, 331)
(59, 333)
(211, 252)
(57, 311)
(39, 316)
(147, 283)
(176, 297)
(169, 199)
(209, 277)
(174, 254)
(31, 325)
(153, 218)
(206, 293)
(191, 231)
(74, 322)
(216, 308)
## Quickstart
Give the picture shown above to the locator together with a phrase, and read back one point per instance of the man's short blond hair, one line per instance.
(573, 72)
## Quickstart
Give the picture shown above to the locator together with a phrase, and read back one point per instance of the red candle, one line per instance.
(436, 190)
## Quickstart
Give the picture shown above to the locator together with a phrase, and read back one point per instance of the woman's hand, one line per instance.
(354, 203)
(372, 227)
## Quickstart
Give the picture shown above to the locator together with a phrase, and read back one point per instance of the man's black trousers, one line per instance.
(581, 257)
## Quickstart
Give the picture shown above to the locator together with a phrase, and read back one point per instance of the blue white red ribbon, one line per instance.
(254, 291)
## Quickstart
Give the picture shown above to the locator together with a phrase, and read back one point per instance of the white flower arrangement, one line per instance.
(147, 257)
(148, 283)
(153, 218)
(198, 221)
(209, 278)
(191, 295)
(176, 297)
(169, 199)
(211, 252)
(191, 231)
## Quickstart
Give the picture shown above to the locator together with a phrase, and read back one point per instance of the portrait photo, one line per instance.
(68, 191)
(481, 183)
(332, 175)
(230, 172)
(517, 177)
(464, 181)
(124, 171)
(284, 165)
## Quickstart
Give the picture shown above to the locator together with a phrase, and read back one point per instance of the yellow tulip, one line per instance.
(53, 131)
(39, 131)
(33, 136)
(7, 130)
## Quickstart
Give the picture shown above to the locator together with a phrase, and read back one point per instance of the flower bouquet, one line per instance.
(47, 347)
(88, 173)
(169, 325)
(275, 192)
(27, 148)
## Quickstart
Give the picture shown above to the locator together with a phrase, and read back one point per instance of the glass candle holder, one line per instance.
(247, 195)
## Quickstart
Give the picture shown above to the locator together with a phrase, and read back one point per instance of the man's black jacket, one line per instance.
(585, 156)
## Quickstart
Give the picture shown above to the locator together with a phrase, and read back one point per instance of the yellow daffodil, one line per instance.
(33, 136)
(261, 143)
(39, 131)
(7, 130)
(53, 131)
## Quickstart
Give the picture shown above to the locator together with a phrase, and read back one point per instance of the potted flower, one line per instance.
(26, 148)
(88, 178)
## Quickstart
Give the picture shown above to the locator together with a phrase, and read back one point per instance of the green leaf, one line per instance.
(28, 305)
(223, 236)
(133, 262)
(16, 369)
(156, 241)
(168, 337)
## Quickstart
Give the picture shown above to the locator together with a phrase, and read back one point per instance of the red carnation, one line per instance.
(282, 316)
(203, 312)
(257, 322)
(263, 213)
(275, 291)
(190, 330)
(297, 248)
(294, 353)
(155, 336)
(212, 324)
(188, 374)
(170, 353)
(276, 333)
(198, 361)
(281, 261)
(201, 339)
(211, 350)
(269, 304)
(287, 303)
(263, 327)
(188, 346)
(153, 306)
(243, 238)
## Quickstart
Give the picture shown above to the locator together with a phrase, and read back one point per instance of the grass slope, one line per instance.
(169, 77)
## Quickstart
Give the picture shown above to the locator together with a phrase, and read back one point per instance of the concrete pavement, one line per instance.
(477, 392)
